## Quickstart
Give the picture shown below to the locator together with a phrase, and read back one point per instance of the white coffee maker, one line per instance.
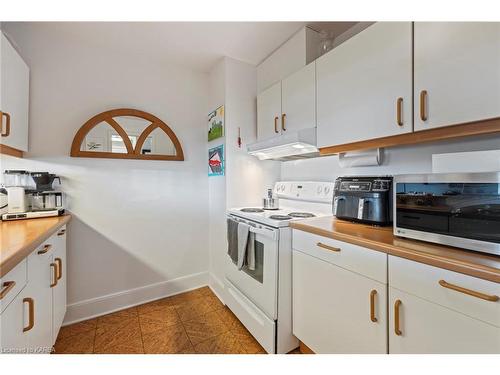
(16, 182)
(25, 196)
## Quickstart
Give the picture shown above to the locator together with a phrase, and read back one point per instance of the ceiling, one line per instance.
(198, 45)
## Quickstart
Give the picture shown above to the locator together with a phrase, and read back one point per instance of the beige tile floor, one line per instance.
(192, 322)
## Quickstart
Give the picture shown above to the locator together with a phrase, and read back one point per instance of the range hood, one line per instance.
(290, 146)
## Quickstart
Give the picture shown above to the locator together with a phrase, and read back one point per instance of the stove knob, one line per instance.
(283, 187)
(327, 190)
(320, 188)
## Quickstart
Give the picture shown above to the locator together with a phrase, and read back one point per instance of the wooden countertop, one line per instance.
(19, 238)
(382, 239)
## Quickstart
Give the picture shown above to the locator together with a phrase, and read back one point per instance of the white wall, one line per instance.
(217, 187)
(397, 160)
(248, 178)
(135, 223)
(233, 83)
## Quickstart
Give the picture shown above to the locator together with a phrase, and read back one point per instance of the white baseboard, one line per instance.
(94, 307)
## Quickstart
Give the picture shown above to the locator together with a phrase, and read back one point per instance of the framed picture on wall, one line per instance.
(216, 161)
(216, 124)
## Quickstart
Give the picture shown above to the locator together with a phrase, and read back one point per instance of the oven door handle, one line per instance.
(264, 232)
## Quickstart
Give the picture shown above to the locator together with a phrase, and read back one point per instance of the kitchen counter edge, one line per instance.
(483, 266)
(21, 250)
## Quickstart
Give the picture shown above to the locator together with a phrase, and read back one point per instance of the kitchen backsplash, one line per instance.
(397, 160)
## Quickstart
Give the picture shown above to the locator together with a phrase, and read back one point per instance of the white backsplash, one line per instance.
(397, 160)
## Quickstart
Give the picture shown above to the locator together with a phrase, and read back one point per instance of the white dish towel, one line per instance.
(251, 251)
(243, 230)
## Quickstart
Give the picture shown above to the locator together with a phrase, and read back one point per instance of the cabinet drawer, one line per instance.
(423, 281)
(12, 283)
(367, 262)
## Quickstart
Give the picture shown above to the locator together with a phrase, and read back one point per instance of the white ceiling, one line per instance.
(197, 45)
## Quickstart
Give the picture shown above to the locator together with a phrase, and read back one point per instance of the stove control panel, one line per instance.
(305, 191)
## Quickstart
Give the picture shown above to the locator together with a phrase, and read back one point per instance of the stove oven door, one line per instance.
(260, 286)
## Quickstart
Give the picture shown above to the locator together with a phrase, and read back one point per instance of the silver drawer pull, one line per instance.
(473, 293)
(327, 247)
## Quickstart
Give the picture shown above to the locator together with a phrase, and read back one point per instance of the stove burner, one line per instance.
(301, 214)
(252, 210)
(280, 217)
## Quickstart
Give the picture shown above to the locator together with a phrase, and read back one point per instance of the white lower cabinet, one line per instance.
(41, 275)
(12, 323)
(432, 310)
(31, 320)
(336, 310)
(59, 291)
(426, 327)
(341, 293)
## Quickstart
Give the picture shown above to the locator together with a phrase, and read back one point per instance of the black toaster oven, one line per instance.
(363, 199)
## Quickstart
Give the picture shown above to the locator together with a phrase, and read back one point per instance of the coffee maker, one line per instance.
(30, 195)
(44, 197)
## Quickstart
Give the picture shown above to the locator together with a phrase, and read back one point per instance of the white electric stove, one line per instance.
(262, 298)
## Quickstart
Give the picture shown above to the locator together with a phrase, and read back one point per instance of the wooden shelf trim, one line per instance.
(7, 150)
(482, 127)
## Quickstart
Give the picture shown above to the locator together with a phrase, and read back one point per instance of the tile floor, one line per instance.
(192, 322)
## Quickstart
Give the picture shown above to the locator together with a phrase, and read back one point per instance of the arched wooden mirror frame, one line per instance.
(108, 117)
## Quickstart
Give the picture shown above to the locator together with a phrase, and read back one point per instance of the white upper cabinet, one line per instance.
(298, 100)
(269, 112)
(14, 97)
(298, 51)
(289, 105)
(457, 72)
(364, 86)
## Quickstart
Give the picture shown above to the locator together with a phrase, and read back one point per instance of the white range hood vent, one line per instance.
(291, 146)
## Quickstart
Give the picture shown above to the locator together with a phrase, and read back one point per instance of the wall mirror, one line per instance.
(126, 134)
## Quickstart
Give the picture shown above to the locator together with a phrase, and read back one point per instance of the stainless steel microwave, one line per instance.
(461, 210)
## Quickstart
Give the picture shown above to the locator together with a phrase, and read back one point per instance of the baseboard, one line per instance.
(94, 307)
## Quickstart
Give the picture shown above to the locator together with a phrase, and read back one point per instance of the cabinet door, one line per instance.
(458, 65)
(14, 99)
(59, 291)
(426, 327)
(332, 308)
(362, 82)
(41, 275)
(269, 112)
(12, 322)
(298, 100)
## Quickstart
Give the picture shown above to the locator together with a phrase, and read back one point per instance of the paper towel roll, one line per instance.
(365, 158)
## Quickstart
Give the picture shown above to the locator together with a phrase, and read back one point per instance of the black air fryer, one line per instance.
(364, 199)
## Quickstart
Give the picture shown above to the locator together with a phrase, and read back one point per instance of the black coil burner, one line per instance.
(280, 217)
(302, 215)
(252, 210)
